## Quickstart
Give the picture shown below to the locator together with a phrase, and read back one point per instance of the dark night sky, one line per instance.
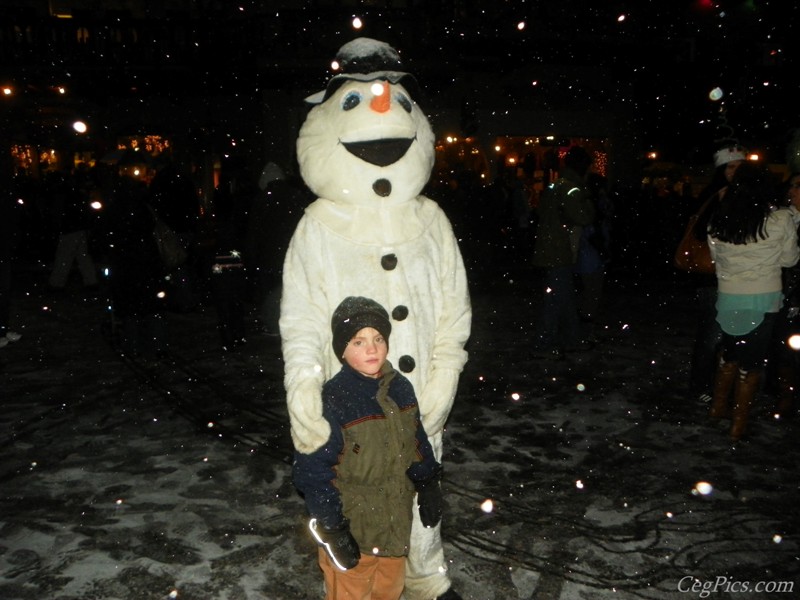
(663, 59)
(657, 64)
(660, 58)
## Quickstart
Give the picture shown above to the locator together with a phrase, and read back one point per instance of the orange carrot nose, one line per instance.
(380, 101)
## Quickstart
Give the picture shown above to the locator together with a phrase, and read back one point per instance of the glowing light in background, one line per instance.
(716, 94)
(521, 25)
(357, 23)
(794, 342)
(702, 487)
(487, 506)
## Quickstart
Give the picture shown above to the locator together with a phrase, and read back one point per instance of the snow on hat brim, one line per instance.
(730, 154)
(407, 80)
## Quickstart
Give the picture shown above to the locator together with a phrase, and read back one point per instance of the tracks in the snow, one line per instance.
(217, 406)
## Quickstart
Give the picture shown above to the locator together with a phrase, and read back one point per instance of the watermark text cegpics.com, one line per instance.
(729, 585)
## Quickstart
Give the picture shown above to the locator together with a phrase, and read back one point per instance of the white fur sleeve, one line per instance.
(304, 324)
(452, 333)
(439, 393)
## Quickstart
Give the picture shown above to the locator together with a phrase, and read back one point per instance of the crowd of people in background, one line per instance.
(235, 256)
(92, 231)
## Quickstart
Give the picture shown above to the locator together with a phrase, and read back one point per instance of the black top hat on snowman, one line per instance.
(366, 59)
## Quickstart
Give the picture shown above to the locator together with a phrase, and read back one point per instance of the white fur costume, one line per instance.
(371, 234)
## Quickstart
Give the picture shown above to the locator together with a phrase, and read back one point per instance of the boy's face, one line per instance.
(366, 352)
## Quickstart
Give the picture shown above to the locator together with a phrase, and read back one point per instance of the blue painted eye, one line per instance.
(351, 100)
(403, 101)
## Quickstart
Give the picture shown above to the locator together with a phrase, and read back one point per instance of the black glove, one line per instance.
(338, 542)
(429, 499)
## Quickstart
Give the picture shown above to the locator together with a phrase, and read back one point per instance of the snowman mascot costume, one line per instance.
(366, 150)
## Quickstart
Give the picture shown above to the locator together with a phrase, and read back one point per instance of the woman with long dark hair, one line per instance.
(708, 335)
(751, 241)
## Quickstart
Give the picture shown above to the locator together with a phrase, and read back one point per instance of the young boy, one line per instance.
(359, 486)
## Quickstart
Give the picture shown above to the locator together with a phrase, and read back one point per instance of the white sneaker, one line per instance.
(13, 336)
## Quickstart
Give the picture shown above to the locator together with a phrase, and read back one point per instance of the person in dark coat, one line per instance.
(8, 231)
(593, 256)
(274, 213)
(71, 213)
(138, 287)
(784, 373)
(228, 276)
(173, 197)
(564, 209)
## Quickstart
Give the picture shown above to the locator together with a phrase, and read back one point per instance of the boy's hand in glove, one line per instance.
(338, 542)
(429, 499)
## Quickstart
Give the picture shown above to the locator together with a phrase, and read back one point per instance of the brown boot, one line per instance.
(723, 384)
(786, 391)
(743, 394)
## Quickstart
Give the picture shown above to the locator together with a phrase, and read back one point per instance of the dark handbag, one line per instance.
(694, 255)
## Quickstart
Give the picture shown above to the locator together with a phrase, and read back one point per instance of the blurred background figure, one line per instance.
(277, 207)
(784, 368)
(708, 335)
(70, 211)
(228, 279)
(520, 211)
(564, 209)
(136, 272)
(594, 253)
(8, 232)
(172, 196)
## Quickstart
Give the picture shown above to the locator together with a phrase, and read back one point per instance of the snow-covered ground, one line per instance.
(128, 481)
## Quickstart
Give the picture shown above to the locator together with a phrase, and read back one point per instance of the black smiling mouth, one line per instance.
(381, 153)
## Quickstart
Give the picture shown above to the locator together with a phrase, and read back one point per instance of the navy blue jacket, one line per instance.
(366, 470)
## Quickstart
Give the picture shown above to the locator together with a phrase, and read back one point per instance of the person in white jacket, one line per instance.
(366, 150)
(750, 242)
